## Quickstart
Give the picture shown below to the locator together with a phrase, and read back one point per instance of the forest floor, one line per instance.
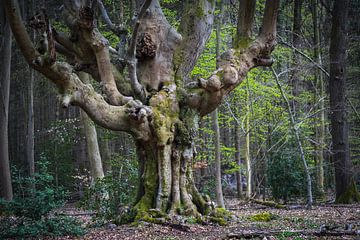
(293, 222)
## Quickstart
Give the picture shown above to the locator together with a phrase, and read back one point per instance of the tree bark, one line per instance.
(5, 52)
(346, 191)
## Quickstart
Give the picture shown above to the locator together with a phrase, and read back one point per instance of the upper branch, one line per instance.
(268, 28)
(139, 90)
(132, 117)
(94, 49)
(245, 18)
(195, 28)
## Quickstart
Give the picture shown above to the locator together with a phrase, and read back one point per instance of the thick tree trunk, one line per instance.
(172, 189)
(5, 53)
(346, 191)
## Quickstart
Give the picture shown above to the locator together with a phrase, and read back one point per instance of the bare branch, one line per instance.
(117, 30)
(306, 56)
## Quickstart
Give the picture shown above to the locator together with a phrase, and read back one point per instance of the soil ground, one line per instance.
(294, 217)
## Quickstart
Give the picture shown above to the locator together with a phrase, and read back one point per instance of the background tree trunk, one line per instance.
(239, 184)
(248, 162)
(5, 53)
(296, 40)
(92, 146)
(320, 100)
(219, 193)
(346, 190)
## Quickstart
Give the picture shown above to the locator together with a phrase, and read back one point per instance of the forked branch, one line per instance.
(234, 64)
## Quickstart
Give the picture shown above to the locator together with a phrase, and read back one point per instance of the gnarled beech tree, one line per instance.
(146, 88)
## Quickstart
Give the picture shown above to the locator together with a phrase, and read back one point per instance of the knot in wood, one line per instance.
(145, 47)
(86, 15)
(37, 22)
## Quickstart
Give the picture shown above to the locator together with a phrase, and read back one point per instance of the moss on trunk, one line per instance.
(351, 195)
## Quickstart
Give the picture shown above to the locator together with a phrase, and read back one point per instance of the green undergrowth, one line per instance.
(32, 212)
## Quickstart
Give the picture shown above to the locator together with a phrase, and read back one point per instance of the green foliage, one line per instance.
(110, 196)
(285, 174)
(30, 213)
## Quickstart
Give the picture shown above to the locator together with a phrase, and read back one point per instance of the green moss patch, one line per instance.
(263, 217)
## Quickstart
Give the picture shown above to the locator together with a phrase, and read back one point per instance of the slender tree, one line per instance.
(320, 99)
(298, 141)
(92, 146)
(219, 194)
(166, 103)
(5, 53)
(239, 184)
(346, 190)
(296, 41)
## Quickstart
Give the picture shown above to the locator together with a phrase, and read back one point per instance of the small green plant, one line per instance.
(29, 214)
(263, 217)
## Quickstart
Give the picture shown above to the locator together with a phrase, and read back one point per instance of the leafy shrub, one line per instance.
(109, 197)
(286, 174)
(29, 213)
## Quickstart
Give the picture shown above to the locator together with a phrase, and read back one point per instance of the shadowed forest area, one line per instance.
(170, 119)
